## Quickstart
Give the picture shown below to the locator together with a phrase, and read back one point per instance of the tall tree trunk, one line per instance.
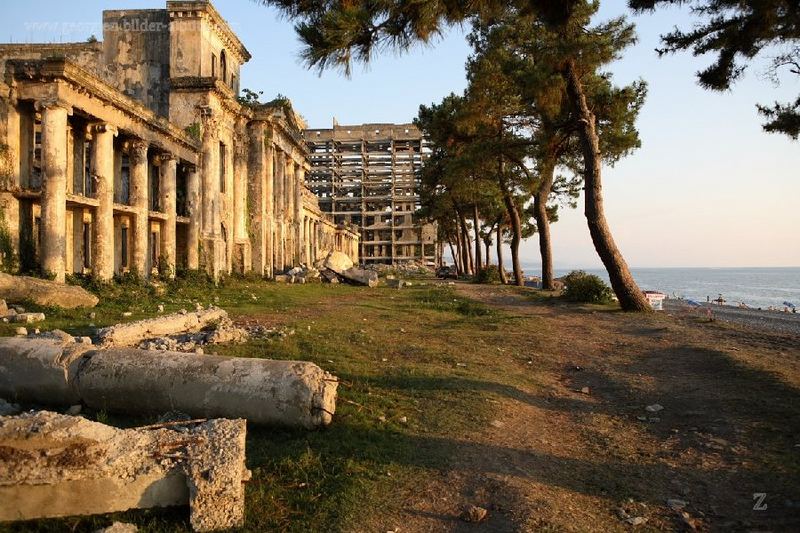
(548, 169)
(487, 243)
(516, 231)
(466, 252)
(628, 293)
(476, 219)
(503, 278)
(462, 269)
(453, 253)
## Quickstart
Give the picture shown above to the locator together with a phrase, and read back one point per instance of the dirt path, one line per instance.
(578, 449)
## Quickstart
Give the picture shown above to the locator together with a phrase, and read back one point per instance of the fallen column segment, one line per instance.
(132, 333)
(58, 465)
(128, 380)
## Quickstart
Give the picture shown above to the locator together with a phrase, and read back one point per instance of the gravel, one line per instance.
(776, 321)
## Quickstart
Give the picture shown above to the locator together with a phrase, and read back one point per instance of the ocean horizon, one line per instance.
(762, 287)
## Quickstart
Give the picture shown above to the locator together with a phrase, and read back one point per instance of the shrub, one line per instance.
(489, 274)
(586, 288)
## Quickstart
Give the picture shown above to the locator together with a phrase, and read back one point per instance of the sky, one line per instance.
(707, 188)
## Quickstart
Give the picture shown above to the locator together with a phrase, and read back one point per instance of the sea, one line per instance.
(756, 287)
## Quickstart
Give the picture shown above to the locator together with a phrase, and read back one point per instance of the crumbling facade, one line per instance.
(135, 154)
(368, 175)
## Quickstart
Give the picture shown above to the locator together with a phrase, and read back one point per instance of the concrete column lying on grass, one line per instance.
(91, 468)
(132, 333)
(127, 380)
(284, 393)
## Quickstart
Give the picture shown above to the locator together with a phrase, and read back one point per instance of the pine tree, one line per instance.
(737, 31)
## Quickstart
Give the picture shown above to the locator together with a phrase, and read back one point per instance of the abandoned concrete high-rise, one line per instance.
(134, 153)
(368, 175)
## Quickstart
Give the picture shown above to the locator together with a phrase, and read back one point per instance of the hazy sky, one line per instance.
(707, 188)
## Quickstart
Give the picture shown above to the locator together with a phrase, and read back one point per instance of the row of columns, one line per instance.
(275, 195)
(53, 200)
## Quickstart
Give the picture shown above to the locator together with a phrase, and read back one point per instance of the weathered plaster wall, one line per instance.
(136, 51)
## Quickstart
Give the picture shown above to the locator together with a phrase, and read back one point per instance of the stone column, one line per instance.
(269, 213)
(242, 256)
(280, 213)
(259, 198)
(193, 206)
(54, 187)
(139, 201)
(292, 254)
(103, 179)
(300, 245)
(210, 174)
(168, 201)
(210, 190)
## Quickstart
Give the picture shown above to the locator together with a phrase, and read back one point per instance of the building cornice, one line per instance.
(198, 9)
(59, 69)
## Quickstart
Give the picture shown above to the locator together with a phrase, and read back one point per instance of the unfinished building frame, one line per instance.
(368, 176)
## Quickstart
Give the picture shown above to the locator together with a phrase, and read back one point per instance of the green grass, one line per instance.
(422, 354)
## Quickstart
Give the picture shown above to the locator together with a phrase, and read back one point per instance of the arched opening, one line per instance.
(223, 64)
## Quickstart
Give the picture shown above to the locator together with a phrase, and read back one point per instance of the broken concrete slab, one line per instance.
(128, 380)
(132, 333)
(44, 292)
(338, 262)
(360, 276)
(57, 465)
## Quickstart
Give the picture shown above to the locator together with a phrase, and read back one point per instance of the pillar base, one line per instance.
(212, 256)
(242, 257)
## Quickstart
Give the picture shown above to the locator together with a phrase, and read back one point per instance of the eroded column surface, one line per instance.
(168, 201)
(54, 187)
(193, 208)
(280, 210)
(103, 176)
(257, 197)
(137, 153)
(300, 245)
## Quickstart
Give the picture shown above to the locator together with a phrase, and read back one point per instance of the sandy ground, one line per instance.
(650, 422)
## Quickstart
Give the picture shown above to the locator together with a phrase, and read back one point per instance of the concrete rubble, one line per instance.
(63, 372)
(44, 292)
(57, 465)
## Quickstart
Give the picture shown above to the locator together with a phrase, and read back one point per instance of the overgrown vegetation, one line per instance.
(488, 274)
(586, 288)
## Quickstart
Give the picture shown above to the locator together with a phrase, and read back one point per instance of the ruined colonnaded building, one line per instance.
(135, 153)
(368, 175)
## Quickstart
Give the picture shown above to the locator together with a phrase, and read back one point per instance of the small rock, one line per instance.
(36, 331)
(496, 424)
(28, 318)
(473, 513)
(675, 504)
(198, 351)
(127, 314)
(118, 527)
(403, 420)
(462, 365)
(74, 410)
(585, 390)
(160, 308)
(21, 332)
(18, 309)
(382, 418)
(83, 340)
(636, 520)
(654, 408)
(92, 315)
